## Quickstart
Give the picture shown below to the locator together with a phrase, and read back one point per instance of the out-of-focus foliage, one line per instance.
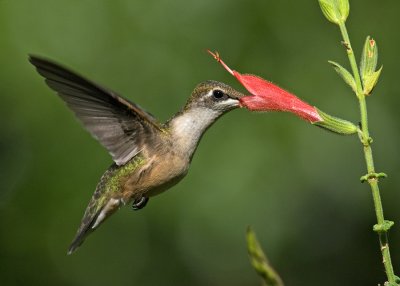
(296, 184)
(260, 261)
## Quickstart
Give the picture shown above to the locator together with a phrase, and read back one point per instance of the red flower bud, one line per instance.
(269, 97)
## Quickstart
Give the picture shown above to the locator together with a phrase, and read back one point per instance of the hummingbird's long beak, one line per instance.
(239, 97)
(235, 97)
(234, 94)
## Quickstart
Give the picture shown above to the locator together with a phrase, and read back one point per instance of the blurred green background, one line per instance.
(297, 185)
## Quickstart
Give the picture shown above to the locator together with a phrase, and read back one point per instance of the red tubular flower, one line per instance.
(269, 97)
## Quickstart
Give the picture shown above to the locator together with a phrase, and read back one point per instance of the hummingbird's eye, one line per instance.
(218, 94)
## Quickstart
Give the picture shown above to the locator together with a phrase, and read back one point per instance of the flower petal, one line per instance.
(269, 97)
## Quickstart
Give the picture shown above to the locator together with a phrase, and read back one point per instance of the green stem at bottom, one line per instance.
(380, 228)
(383, 226)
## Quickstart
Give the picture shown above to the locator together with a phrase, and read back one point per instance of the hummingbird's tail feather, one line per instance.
(103, 203)
(84, 230)
(91, 220)
(78, 240)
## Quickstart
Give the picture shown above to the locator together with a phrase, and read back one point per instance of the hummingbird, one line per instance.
(149, 157)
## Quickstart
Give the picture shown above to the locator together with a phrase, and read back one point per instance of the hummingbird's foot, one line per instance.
(139, 203)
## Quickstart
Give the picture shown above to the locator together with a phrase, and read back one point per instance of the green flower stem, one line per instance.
(352, 59)
(383, 226)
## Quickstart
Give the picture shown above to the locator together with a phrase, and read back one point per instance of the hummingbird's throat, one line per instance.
(188, 127)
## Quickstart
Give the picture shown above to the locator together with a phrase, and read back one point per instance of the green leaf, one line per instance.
(369, 58)
(260, 262)
(336, 11)
(345, 75)
(371, 80)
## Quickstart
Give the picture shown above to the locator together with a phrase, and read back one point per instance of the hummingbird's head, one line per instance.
(209, 101)
(215, 96)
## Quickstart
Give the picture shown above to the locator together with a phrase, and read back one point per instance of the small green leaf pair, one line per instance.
(369, 74)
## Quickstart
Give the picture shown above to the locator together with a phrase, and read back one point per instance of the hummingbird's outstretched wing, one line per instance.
(115, 121)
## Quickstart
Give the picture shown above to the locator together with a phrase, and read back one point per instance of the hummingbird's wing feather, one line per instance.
(115, 121)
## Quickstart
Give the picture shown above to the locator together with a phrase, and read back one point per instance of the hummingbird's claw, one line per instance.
(139, 203)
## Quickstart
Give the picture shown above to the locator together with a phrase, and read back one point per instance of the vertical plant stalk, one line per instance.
(383, 226)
